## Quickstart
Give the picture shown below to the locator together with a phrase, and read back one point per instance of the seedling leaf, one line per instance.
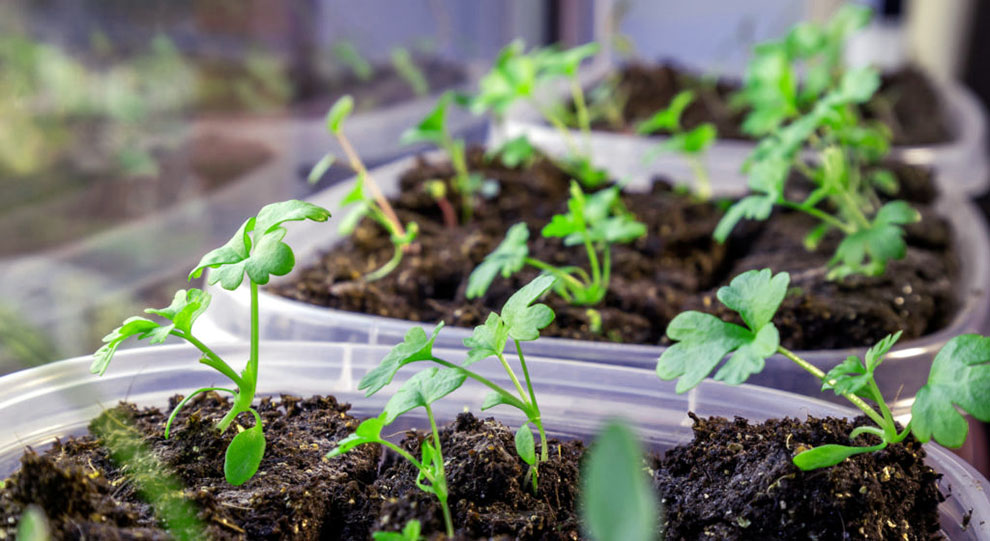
(960, 376)
(668, 119)
(755, 295)
(507, 259)
(416, 346)
(321, 168)
(244, 454)
(525, 445)
(523, 321)
(135, 326)
(423, 389)
(487, 340)
(338, 112)
(828, 455)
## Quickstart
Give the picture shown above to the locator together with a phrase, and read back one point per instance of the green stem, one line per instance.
(175, 410)
(556, 272)
(581, 107)
(406, 455)
(459, 160)
(889, 428)
(821, 215)
(248, 385)
(388, 267)
(512, 376)
(537, 420)
(815, 371)
(561, 128)
(507, 396)
(210, 358)
(596, 271)
(440, 483)
(852, 206)
(703, 185)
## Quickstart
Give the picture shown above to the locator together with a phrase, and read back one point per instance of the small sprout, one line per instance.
(516, 152)
(691, 144)
(958, 379)
(520, 321)
(433, 129)
(348, 54)
(255, 251)
(33, 525)
(617, 501)
(412, 532)
(366, 197)
(596, 222)
(406, 67)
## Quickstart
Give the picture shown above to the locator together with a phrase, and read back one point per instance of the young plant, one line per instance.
(959, 376)
(595, 221)
(691, 144)
(515, 152)
(349, 55)
(517, 77)
(421, 390)
(845, 196)
(366, 196)
(617, 501)
(520, 321)
(257, 252)
(412, 532)
(433, 129)
(406, 67)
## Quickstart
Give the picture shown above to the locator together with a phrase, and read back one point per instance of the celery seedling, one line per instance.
(257, 251)
(406, 67)
(959, 376)
(433, 129)
(520, 321)
(421, 390)
(595, 221)
(374, 204)
(691, 144)
(517, 76)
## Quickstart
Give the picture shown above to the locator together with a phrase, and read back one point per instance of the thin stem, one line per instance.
(440, 484)
(596, 271)
(376, 192)
(555, 271)
(815, 371)
(889, 428)
(175, 411)
(867, 430)
(852, 206)
(512, 376)
(703, 185)
(581, 107)
(389, 266)
(507, 396)
(406, 455)
(210, 358)
(821, 215)
(249, 377)
(459, 160)
(537, 420)
(562, 128)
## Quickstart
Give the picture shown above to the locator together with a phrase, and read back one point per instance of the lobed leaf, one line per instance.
(416, 346)
(755, 295)
(522, 318)
(135, 326)
(959, 377)
(669, 118)
(369, 431)
(487, 340)
(423, 389)
(186, 307)
(507, 259)
(514, 152)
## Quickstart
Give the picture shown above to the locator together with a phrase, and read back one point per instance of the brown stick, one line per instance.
(376, 192)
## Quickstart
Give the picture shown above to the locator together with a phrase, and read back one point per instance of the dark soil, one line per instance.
(677, 266)
(734, 481)
(907, 102)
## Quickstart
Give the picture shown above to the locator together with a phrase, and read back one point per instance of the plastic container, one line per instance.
(903, 373)
(575, 398)
(963, 164)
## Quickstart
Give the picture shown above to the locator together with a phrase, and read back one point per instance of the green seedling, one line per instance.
(412, 532)
(33, 525)
(520, 321)
(692, 144)
(406, 67)
(433, 129)
(596, 221)
(366, 197)
(515, 152)
(421, 390)
(845, 193)
(347, 53)
(959, 376)
(617, 501)
(257, 252)
(517, 77)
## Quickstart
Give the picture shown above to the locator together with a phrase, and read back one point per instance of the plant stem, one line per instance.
(815, 371)
(440, 483)
(405, 454)
(210, 358)
(459, 160)
(389, 266)
(562, 129)
(376, 192)
(544, 453)
(512, 376)
(581, 107)
(703, 185)
(507, 396)
(556, 272)
(248, 385)
(821, 215)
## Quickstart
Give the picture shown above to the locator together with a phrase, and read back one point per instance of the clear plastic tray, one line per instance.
(904, 372)
(56, 400)
(963, 164)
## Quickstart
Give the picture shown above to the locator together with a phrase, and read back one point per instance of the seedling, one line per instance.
(433, 129)
(517, 76)
(421, 390)
(33, 525)
(515, 152)
(958, 378)
(595, 221)
(520, 321)
(366, 196)
(412, 532)
(872, 232)
(691, 144)
(406, 67)
(349, 55)
(617, 501)
(255, 251)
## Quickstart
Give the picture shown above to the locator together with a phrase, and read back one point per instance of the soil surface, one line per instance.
(907, 103)
(677, 266)
(101, 486)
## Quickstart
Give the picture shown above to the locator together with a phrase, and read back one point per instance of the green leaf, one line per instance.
(321, 168)
(848, 19)
(581, 168)
(755, 295)
(693, 142)
(565, 62)
(828, 455)
(875, 355)
(523, 321)
(859, 84)
(369, 431)
(896, 213)
(244, 454)
(135, 326)
(432, 129)
(668, 119)
(702, 341)
(750, 358)
(752, 207)
(514, 152)
(805, 39)
(507, 259)
(423, 389)
(487, 340)
(33, 525)
(186, 307)
(416, 346)
(492, 399)
(257, 248)
(867, 251)
(617, 500)
(525, 445)
(338, 112)
(885, 181)
(411, 532)
(959, 377)
(849, 376)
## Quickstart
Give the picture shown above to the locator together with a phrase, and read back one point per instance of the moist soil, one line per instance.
(907, 103)
(677, 266)
(734, 481)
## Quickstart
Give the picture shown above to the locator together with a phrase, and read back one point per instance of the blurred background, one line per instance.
(135, 136)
